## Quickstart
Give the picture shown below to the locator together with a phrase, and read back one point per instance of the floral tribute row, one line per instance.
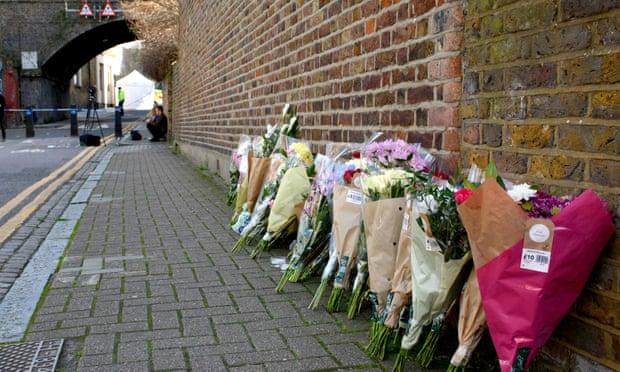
(384, 228)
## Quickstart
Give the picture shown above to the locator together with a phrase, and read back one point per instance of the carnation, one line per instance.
(521, 192)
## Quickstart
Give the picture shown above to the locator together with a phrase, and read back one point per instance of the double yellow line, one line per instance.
(57, 178)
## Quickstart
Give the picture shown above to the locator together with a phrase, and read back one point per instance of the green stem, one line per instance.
(240, 244)
(295, 275)
(427, 352)
(453, 368)
(283, 280)
(355, 303)
(333, 304)
(260, 248)
(378, 343)
(401, 359)
(318, 294)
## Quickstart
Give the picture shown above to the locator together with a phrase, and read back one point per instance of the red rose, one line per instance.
(441, 175)
(462, 195)
(350, 174)
(356, 155)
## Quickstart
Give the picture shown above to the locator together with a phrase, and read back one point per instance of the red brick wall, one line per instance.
(533, 84)
(351, 67)
(542, 98)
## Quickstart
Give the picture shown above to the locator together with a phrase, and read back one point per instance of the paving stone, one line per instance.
(305, 364)
(350, 355)
(182, 342)
(132, 351)
(227, 333)
(95, 360)
(267, 340)
(150, 335)
(169, 359)
(163, 320)
(207, 363)
(258, 357)
(125, 327)
(306, 347)
(135, 313)
(99, 344)
(197, 327)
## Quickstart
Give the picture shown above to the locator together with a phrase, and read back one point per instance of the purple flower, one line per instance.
(543, 205)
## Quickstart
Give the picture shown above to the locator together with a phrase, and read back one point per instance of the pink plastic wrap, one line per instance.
(523, 307)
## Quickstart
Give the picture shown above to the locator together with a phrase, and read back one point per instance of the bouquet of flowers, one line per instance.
(262, 148)
(398, 154)
(388, 323)
(343, 171)
(293, 191)
(238, 160)
(472, 323)
(252, 226)
(314, 226)
(361, 277)
(347, 199)
(383, 214)
(327, 274)
(439, 253)
(531, 269)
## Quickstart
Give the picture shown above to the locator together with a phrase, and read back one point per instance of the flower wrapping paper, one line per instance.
(523, 307)
(400, 294)
(383, 220)
(258, 171)
(347, 219)
(435, 283)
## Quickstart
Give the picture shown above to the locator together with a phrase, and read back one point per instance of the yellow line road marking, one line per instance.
(32, 188)
(71, 167)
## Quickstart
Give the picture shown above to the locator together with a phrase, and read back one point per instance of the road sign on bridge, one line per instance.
(85, 11)
(108, 11)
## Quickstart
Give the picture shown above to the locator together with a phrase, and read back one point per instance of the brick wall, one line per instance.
(542, 98)
(533, 84)
(351, 67)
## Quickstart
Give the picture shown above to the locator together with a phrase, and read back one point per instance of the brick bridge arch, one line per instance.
(63, 42)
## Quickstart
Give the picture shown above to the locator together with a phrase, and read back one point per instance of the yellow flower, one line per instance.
(303, 152)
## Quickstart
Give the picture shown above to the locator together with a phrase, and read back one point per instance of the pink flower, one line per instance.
(462, 195)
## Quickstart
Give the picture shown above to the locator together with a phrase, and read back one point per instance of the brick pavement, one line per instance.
(148, 283)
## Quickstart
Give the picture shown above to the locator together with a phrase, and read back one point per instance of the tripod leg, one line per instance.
(100, 128)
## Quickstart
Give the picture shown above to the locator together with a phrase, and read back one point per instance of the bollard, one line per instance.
(29, 123)
(118, 124)
(74, 121)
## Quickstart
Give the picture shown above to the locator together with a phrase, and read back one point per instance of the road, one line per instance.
(25, 161)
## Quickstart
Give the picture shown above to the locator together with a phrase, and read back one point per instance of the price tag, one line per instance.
(432, 245)
(406, 222)
(537, 244)
(354, 197)
(535, 260)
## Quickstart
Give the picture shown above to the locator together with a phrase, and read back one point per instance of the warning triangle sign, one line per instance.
(86, 11)
(108, 11)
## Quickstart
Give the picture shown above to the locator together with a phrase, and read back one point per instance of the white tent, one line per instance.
(139, 91)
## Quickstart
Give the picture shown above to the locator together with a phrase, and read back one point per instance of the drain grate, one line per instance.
(31, 356)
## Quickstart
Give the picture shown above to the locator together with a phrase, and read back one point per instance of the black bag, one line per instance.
(90, 140)
(135, 135)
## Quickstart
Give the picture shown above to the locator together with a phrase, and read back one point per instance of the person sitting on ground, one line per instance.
(158, 125)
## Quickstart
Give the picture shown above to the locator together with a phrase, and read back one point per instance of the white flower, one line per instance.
(427, 205)
(521, 192)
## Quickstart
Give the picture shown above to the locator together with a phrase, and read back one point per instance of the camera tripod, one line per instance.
(92, 118)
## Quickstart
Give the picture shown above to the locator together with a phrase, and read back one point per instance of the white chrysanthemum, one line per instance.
(521, 192)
